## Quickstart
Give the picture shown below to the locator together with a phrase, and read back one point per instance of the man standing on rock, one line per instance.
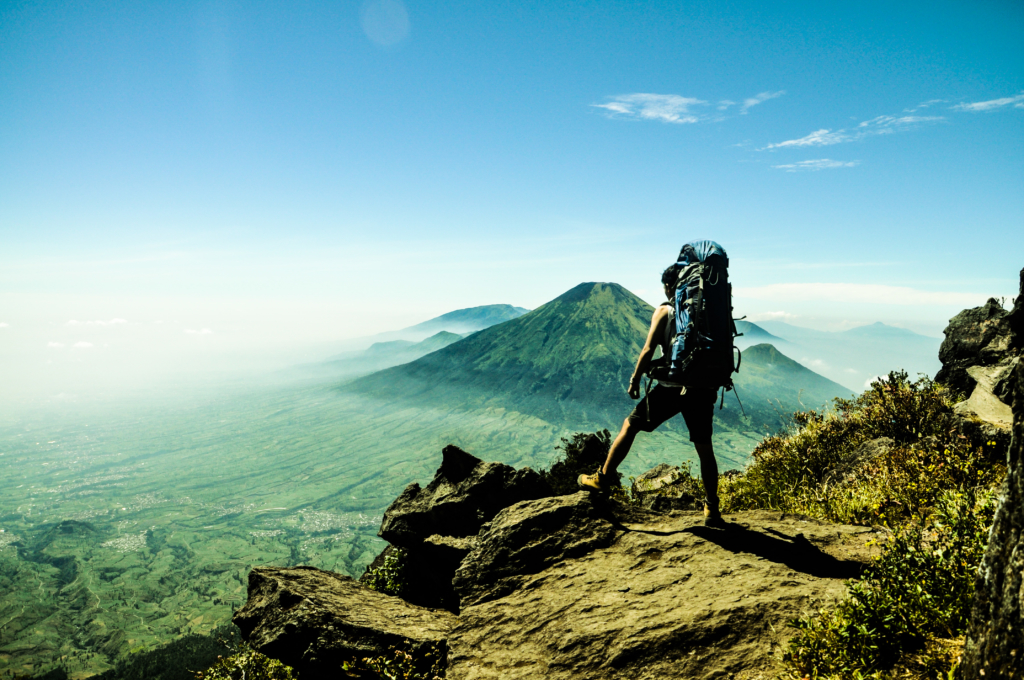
(697, 404)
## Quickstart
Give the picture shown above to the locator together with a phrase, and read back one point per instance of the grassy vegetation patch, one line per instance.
(886, 457)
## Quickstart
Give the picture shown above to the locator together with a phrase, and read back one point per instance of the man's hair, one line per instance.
(670, 275)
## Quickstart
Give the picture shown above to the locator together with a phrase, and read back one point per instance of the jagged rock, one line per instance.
(465, 493)
(314, 620)
(433, 525)
(983, 404)
(995, 640)
(574, 587)
(528, 537)
(656, 479)
(978, 357)
(580, 587)
(664, 488)
(862, 455)
(975, 337)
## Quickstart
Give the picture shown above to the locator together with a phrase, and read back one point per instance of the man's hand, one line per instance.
(634, 388)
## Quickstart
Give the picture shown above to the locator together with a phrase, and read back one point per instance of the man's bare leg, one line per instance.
(708, 470)
(620, 447)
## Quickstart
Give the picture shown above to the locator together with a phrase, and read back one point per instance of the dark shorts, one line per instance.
(697, 407)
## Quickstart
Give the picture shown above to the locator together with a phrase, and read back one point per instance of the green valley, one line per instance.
(124, 528)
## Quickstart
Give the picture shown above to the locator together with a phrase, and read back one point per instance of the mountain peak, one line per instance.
(611, 292)
(569, 362)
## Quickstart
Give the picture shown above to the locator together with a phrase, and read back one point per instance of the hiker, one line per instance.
(667, 399)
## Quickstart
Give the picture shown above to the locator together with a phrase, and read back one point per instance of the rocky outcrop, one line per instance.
(630, 593)
(664, 488)
(580, 586)
(315, 620)
(435, 525)
(995, 641)
(978, 337)
(529, 537)
(978, 358)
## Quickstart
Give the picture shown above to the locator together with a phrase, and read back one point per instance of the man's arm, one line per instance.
(653, 335)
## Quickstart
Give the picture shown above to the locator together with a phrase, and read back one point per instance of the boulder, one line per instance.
(995, 640)
(315, 620)
(465, 493)
(664, 488)
(657, 478)
(582, 587)
(528, 537)
(978, 358)
(435, 525)
(975, 337)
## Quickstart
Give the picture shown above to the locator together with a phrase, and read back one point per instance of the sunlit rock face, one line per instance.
(573, 586)
(978, 358)
(995, 643)
(314, 620)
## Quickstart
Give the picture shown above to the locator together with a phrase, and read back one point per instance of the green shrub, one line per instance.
(797, 471)
(389, 578)
(246, 664)
(919, 589)
(584, 453)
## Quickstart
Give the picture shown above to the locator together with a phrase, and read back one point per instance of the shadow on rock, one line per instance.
(796, 552)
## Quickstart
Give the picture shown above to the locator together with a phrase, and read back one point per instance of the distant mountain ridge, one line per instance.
(855, 356)
(752, 334)
(461, 321)
(569, 362)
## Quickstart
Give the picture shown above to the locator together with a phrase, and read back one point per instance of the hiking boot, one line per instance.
(712, 517)
(596, 482)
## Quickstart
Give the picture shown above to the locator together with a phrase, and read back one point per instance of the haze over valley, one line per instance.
(126, 527)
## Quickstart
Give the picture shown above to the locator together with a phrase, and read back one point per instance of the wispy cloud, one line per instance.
(771, 316)
(111, 322)
(925, 105)
(883, 125)
(725, 104)
(82, 344)
(819, 164)
(666, 108)
(867, 293)
(758, 99)
(880, 125)
(201, 331)
(55, 344)
(4, 325)
(816, 138)
(1017, 102)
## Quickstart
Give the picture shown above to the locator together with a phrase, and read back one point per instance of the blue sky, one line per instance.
(285, 175)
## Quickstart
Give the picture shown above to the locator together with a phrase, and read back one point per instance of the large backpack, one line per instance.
(701, 353)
